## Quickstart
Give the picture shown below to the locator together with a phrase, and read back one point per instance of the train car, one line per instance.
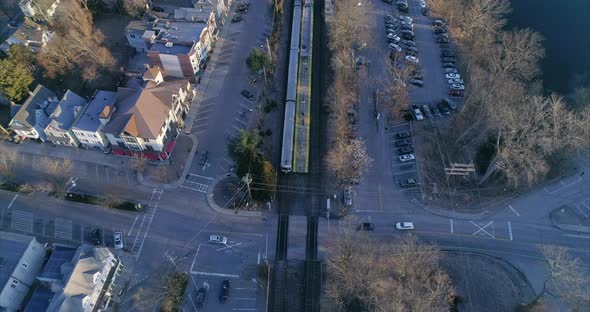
(291, 95)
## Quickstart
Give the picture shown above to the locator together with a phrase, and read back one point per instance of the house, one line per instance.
(28, 34)
(220, 7)
(146, 112)
(88, 126)
(39, 10)
(58, 128)
(181, 48)
(140, 35)
(205, 14)
(20, 262)
(80, 282)
(31, 119)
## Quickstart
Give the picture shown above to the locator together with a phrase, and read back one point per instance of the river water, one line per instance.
(565, 25)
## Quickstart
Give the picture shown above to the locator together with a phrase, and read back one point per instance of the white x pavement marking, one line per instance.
(482, 229)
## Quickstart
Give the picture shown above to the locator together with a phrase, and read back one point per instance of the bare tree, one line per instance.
(138, 163)
(401, 72)
(565, 277)
(161, 174)
(58, 171)
(348, 161)
(366, 276)
(7, 163)
(135, 7)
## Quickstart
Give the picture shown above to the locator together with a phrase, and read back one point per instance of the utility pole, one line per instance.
(247, 179)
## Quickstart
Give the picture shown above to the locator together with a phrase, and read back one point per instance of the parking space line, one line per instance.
(243, 309)
(245, 298)
(577, 236)
(214, 274)
(132, 226)
(399, 125)
(195, 258)
(517, 214)
(452, 230)
(106, 170)
(510, 230)
(398, 173)
(97, 173)
(200, 176)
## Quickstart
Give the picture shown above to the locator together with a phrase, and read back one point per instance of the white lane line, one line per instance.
(132, 226)
(510, 230)
(200, 176)
(245, 298)
(452, 229)
(513, 210)
(243, 309)
(195, 258)
(214, 274)
(12, 201)
(564, 185)
(367, 210)
(578, 236)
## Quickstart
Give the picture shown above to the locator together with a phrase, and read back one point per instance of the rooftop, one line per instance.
(13, 248)
(170, 49)
(66, 111)
(54, 268)
(89, 119)
(41, 99)
(199, 15)
(180, 32)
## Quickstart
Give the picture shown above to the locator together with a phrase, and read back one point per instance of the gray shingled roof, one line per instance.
(37, 100)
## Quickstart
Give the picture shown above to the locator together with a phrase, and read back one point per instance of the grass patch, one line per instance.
(175, 288)
(15, 187)
(94, 200)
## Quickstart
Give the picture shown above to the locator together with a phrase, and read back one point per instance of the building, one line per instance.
(80, 279)
(28, 34)
(140, 35)
(21, 260)
(39, 10)
(31, 119)
(181, 48)
(145, 114)
(88, 127)
(58, 128)
(220, 7)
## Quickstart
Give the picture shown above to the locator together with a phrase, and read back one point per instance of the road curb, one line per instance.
(225, 211)
(567, 227)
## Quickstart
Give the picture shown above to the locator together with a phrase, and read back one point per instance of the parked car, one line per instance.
(200, 297)
(449, 65)
(417, 113)
(443, 109)
(118, 240)
(425, 12)
(455, 80)
(157, 9)
(413, 49)
(409, 43)
(393, 36)
(412, 59)
(444, 45)
(224, 293)
(403, 8)
(407, 183)
(417, 82)
(438, 31)
(412, 53)
(402, 135)
(449, 60)
(409, 32)
(422, 4)
(407, 157)
(457, 93)
(451, 76)
(401, 143)
(406, 23)
(449, 103)
(446, 53)
(438, 23)
(406, 150)
(426, 111)
(401, 2)
(218, 239)
(237, 19)
(408, 36)
(395, 47)
(406, 18)
(406, 27)
(247, 94)
(435, 111)
(451, 70)
(456, 86)
(442, 36)
(404, 226)
(442, 40)
(365, 226)
(347, 196)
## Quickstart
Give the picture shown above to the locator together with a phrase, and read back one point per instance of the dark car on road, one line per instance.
(417, 82)
(237, 19)
(224, 293)
(442, 40)
(365, 226)
(402, 135)
(247, 94)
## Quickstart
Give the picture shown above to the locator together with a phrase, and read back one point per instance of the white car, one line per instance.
(423, 4)
(407, 157)
(456, 80)
(393, 37)
(451, 70)
(406, 23)
(218, 239)
(452, 76)
(404, 226)
(412, 59)
(118, 240)
(395, 47)
(418, 114)
(456, 86)
(406, 18)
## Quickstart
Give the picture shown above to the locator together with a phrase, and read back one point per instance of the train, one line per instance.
(297, 102)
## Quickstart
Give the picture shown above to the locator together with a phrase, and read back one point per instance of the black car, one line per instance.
(401, 143)
(446, 53)
(457, 93)
(449, 65)
(406, 27)
(449, 60)
(444, 45)
(443, 109)
(365, 226)
(388, 1)
(402, 135)
(224, 293)
(435, 111)
(406, 150)
(407, 36)
(200, 297)
(403, 8)
(425, 11)
(417, 82)
(247, 94)
(407, 183)
(440, 31)
(157, 9)
(237, 19)
(241, 9)
(449, 103)
(442, 40)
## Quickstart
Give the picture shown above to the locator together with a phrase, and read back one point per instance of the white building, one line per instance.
(88, 127)
(31, 118)
(59, 124)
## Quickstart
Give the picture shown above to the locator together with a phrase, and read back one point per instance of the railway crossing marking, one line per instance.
(482, 229)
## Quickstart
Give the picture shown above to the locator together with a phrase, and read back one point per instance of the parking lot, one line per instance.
(403, 162)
